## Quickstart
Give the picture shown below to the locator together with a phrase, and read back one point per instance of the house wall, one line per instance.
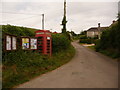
(92, 33)
(96, 33)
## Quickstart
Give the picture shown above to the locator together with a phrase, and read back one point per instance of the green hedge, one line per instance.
(83, 37)
(18, 31)
(88, 41)
(60, 42)
(110, 41)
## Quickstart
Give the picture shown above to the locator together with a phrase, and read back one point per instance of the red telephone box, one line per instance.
(44, 41)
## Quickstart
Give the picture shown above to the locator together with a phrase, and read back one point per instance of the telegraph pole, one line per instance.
(64, 7)
(42, 21)
(99, 33)
(64, 19)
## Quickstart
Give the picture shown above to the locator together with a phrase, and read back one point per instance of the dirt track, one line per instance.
(87, 69)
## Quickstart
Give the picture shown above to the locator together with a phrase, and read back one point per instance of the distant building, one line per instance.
(95, 31)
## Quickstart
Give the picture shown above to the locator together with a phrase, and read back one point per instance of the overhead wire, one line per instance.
(20, 19)
(20, 13)
(17, 19)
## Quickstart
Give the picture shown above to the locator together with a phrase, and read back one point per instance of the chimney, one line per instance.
(98, 24)
(98, 30)
(113, 21)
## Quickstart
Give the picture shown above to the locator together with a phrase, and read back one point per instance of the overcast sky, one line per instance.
(81, 15)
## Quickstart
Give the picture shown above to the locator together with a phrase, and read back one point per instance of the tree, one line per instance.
(83, 33)
(73, 33)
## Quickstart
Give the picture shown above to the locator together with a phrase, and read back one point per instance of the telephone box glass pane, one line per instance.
(48, 38)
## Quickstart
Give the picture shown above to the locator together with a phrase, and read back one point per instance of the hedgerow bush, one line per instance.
(60, 42)
(110, 41)
(87, 40)
(18, 31)
(83, 37)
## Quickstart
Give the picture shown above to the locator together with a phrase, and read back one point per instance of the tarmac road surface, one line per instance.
(87, 69)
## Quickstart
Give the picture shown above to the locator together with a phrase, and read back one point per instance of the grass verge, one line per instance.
(92, 47)
(27, 65)
(113, 55)
(110, 54)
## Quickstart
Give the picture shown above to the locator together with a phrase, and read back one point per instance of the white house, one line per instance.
(95, 31)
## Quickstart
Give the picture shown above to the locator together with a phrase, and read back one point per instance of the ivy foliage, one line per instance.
(60, 42)
(18, 31)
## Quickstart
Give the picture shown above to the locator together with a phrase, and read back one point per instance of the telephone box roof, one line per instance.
(42, 31)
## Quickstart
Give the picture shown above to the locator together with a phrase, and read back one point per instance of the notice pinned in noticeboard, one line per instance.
(8, 42)
(11, 42)
(25, 43)
(33, 42)
(14, 40)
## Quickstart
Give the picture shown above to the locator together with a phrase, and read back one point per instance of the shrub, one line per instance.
(83, 37)
(87, 41)
(18, 31)
(97, 45)
(60, 42)
(110, 40)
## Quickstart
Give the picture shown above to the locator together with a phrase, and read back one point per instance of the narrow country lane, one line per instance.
(87, 69)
